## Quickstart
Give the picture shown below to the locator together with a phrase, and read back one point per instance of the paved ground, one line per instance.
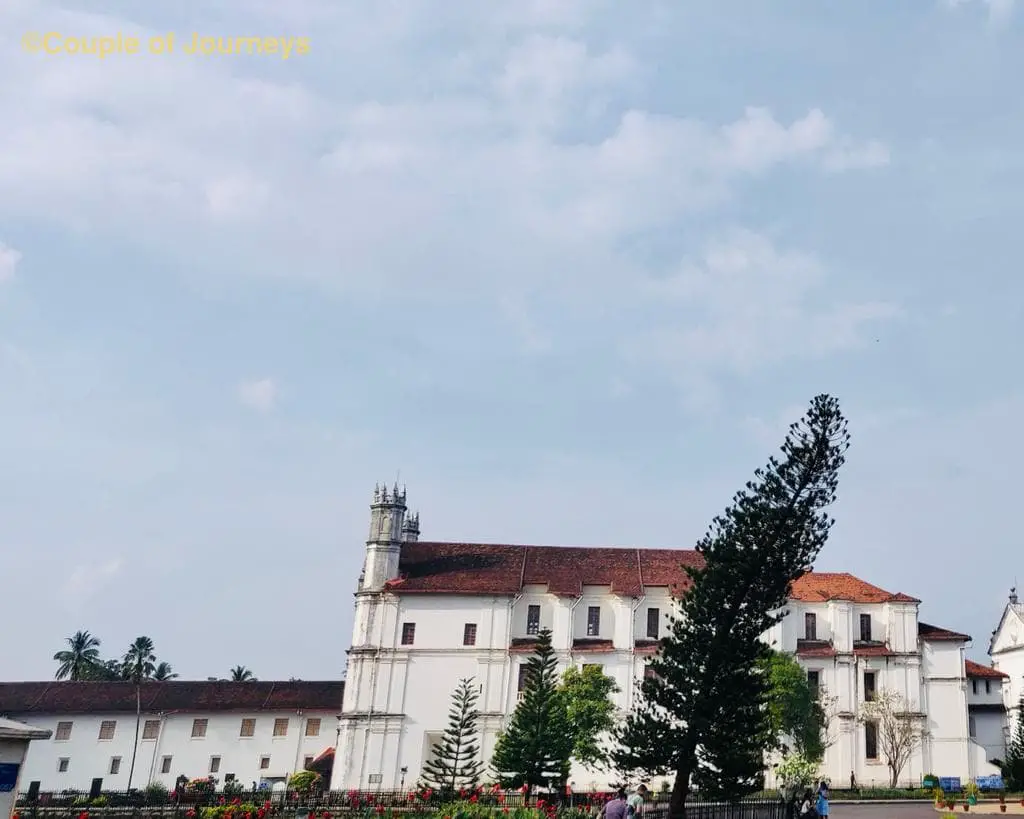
(918, 810)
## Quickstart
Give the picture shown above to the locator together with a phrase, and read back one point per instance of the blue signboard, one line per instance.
(949, 783)
(8, 776)
(990, 783)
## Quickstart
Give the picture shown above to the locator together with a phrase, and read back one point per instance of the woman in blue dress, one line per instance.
(822, 806)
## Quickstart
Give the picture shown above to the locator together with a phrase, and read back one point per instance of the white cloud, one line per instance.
(536, 125)
(260, 395)
(89, 579)
(999, 11)
(744, 304)
(9, 258)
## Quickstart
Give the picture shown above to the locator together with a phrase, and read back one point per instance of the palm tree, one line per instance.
(139, 664)
(80, 659)
(163, 672)
(242, 674)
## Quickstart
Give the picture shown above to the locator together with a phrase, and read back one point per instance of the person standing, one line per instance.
(616, 808)
(822, 806)
(635, 802)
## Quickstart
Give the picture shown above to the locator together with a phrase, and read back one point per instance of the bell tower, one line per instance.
(384, 543)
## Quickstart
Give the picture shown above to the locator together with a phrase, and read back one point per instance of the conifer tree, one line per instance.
(1013, 768)
(455, 762)
(703, 712)
(536, 747)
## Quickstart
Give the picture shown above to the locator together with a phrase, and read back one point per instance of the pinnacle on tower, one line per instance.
(1013, 596)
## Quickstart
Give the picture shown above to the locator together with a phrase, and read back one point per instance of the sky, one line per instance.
(567, 270)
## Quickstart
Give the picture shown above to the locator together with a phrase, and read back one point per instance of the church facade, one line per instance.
(430, 613)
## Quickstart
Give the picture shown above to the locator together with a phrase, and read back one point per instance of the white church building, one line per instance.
(430, 613)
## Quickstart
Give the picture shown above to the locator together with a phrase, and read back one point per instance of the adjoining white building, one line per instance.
(252, 732)
(1007, 651)
(986, 709)
(430, 613)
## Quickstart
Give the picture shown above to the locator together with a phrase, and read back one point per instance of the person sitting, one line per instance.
(807, 806)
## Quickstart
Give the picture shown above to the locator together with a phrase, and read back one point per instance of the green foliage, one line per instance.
(242, 674)
(703, 712)
(238, 811)
(233, 787)
(587, 694)
(796, 773)
(1013, 767)
(305, 781)
(156, 790)
(99, 802)
(795, 708)
(79, 661)
(538, 743)
(455, 760)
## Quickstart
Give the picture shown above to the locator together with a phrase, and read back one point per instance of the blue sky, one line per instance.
(570, 268)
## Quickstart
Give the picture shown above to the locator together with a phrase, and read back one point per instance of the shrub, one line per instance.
(305, 781)
(99, 802)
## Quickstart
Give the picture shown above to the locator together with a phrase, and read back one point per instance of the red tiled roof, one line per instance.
(926, 631)
(487, 568)
(814, 648)
(176, 695)
(592, 644)
(817, 587)
(873, 651)
(974, 669)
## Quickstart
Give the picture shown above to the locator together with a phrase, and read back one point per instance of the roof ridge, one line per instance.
(270, 693)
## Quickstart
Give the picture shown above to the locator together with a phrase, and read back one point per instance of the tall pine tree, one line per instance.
(536, 747)
(455, 761)
(703, 713)
(1013, 768)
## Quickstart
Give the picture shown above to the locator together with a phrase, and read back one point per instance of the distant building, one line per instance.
(986, 708)
(430, 613)
(258, 732)
(1007, 651)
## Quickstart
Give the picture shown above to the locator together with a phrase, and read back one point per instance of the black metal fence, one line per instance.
(265, 804)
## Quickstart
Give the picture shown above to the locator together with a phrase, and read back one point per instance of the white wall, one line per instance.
(89, 757)
(397, 694)
(987, 727)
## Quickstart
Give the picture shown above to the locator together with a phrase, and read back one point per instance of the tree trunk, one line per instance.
(680, 790)
(135, 747)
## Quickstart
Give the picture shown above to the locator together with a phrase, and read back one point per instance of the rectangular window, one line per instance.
(972, 727)
(810, 627)
(869, 686)
(654, 623)
(649, 672)
(865, 628)
(264, 763)
(408, 634)
(62, 764)
(593, 621)
(214, 764)
(165, 764)
(988, 686)
(198, 728)
(974, 686)
(248, 728)
(151, 729)
(306, 762)
(115, 765)
(533, 620)
(524, 671)
(63, 731)
(313, 727)
(813, 680)
(107, 728)
(871, 740)
(469, 634)
(281, 727)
